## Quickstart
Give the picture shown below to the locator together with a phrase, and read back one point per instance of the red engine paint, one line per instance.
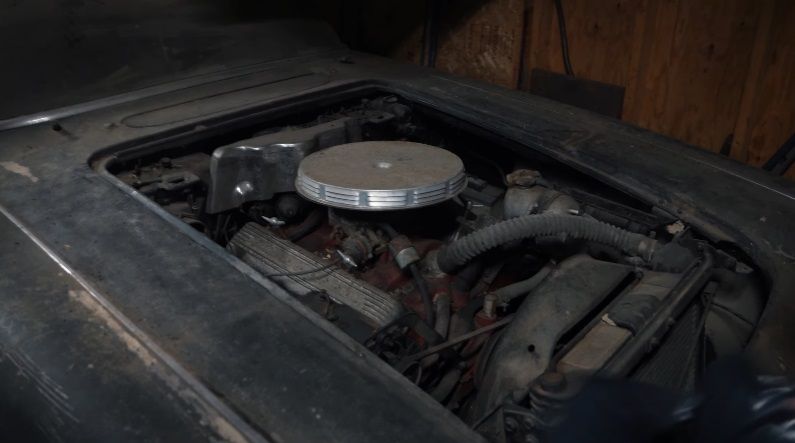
(385, 274)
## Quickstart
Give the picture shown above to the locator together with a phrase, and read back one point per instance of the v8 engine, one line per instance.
(493, 279)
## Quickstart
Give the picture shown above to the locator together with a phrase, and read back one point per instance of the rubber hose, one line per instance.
(466, 278)
(310, 223)
(507, 293)
(458, 253)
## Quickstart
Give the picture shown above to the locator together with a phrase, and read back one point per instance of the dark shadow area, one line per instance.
(396, 28)
(63, 53)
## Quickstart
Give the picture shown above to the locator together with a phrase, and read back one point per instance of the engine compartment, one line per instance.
(500, 295)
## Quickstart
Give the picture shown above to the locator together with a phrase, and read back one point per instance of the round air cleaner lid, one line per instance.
(380, 176)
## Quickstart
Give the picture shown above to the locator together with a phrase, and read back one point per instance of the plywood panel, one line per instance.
(601, 37)
(482, 40)
(683, 62)
(697, 70)
(648, 78)
(693, 69)
(767, 118)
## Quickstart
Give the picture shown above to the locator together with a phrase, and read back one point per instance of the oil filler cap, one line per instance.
(380, 176)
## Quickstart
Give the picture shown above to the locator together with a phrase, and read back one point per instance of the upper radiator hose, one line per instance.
(459, 252)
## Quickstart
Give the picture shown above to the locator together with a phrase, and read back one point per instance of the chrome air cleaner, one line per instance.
(380, 176)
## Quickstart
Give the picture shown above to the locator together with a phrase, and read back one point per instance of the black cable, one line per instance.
(485, 417)
(425, 294)
(564, 39)
(430, 35)
(460, 339)
(782, 159)
(499, 169)
(419, 280)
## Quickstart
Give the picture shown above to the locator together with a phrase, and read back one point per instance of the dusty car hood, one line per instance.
(263, 363)
(82, 55)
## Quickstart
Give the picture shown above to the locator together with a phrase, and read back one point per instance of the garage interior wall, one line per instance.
(717, 74)
(714, 73)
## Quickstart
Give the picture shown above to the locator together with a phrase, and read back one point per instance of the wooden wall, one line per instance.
(713, 73)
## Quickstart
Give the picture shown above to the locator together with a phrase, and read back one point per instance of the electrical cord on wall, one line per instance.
(564, 39)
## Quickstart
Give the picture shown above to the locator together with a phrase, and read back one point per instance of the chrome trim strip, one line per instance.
(126, 97)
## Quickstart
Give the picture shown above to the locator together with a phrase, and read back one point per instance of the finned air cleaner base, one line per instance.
(380, 176)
